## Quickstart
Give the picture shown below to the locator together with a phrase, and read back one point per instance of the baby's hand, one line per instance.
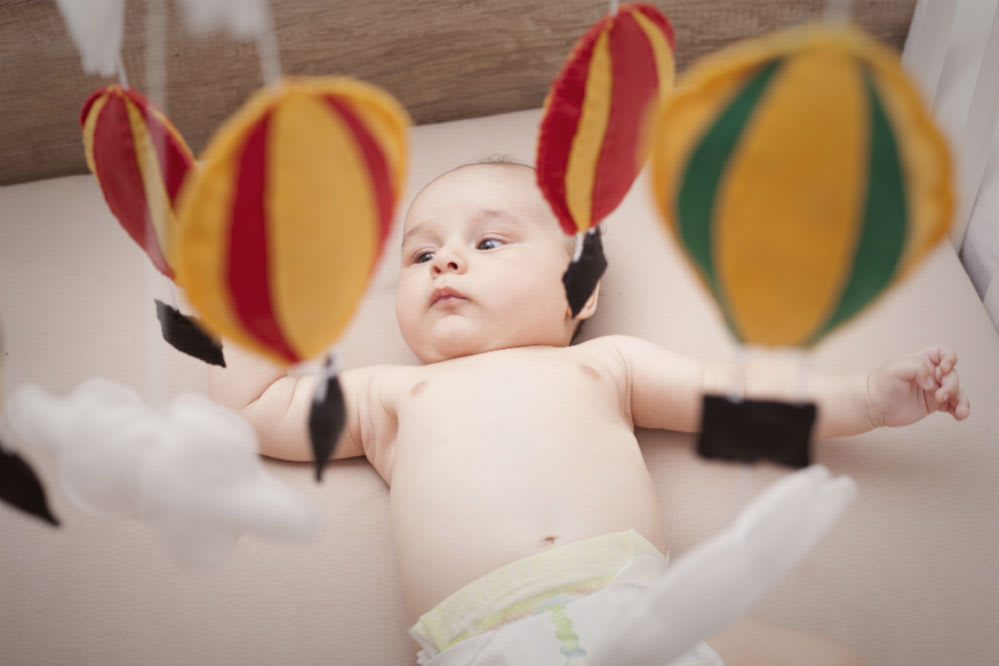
(908, 388)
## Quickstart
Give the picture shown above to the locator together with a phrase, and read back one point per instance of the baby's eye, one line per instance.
(423, 257)
(489, 244)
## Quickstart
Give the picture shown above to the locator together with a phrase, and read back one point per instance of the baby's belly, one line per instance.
(463, 508)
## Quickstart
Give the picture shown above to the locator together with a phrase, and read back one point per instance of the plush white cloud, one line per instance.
(719, 581)
(190, 469)
(243, 19)
(95, 27)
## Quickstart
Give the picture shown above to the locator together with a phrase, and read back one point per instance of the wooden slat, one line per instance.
(442, 60)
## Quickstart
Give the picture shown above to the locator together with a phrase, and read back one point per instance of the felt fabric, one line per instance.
(141, 161)
(184, 334)
(583, 274)
(189, 469)
(21, 488)
(803, 177)
(594, 134)
(281, 232)
(752, 430)
(327, 417)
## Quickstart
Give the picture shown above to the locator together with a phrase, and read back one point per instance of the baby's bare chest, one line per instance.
(510, 386)
(511, 398)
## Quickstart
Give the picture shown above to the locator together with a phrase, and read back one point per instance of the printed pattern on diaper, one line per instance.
(568, 640)
(527, 587)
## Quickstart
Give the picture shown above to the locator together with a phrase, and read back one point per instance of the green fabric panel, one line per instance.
(705, 170)
(882, 235)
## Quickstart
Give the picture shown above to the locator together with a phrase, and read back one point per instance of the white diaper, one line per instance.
(547, 608)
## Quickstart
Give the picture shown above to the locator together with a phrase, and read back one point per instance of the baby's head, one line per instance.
(482, 264)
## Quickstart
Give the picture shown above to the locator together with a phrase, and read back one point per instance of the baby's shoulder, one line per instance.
(604, 352)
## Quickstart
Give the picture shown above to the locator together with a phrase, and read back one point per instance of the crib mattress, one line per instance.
(908, 575)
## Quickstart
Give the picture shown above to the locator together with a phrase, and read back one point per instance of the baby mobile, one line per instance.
(273, 235)
(802, 177)
(278, 231)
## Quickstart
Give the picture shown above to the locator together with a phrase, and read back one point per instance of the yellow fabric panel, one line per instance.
(88, 131)
(386, 120)
(695, 105)
(924, 155)
(800, 166)
(581, 170)
(321, 220)
(199, 242)
(157, 201)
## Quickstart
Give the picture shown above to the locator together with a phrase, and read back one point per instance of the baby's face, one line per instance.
(482, 265)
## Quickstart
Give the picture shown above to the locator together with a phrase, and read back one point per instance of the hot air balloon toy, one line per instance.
(802, 176)
(281, 231)
(594, 134)
(141, 161)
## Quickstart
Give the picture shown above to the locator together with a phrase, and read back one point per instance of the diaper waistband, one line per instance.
(522, 587)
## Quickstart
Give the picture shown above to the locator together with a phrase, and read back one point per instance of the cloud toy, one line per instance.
(802, 176)
(712, 586)
(190, 470)
(281, 231)
(96, 28)
(595, 130)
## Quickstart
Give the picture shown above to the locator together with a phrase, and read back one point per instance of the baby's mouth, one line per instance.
(446, 296)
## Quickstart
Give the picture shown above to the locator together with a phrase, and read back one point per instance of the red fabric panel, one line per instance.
(656, 17)
(635, 85)
(558, 127)
(247, 268)
(85, 111)
(120, 179)
(174, 159)
(378, 170)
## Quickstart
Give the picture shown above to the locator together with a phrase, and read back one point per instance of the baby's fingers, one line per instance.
(926, 374)
(948, 390)
(951, 398)
(959, 406)
(941, 356)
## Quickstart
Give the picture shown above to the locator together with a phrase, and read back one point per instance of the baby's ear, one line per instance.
(590, 306)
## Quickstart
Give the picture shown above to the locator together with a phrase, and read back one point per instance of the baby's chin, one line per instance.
(446, 350)
(455, 341)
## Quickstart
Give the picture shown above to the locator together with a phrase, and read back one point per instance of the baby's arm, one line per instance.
(277, 406)
(665, 388)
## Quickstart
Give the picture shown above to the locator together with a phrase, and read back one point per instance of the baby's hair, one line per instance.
(501, 160)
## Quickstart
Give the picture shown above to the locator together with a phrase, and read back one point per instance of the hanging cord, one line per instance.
(578, 252)
(613, 7)
(267, 48)
(156, 92)
(122, 76)
(737, 393)
(836, 11)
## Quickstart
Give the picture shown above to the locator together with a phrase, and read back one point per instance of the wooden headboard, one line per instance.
(443, 60)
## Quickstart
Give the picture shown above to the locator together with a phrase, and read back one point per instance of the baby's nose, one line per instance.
(447, 261)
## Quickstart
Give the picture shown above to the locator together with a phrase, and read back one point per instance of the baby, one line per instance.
(516, 480)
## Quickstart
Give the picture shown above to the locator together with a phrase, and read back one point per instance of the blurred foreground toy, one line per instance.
(802, 176)
(280, 233)
(190, 470)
